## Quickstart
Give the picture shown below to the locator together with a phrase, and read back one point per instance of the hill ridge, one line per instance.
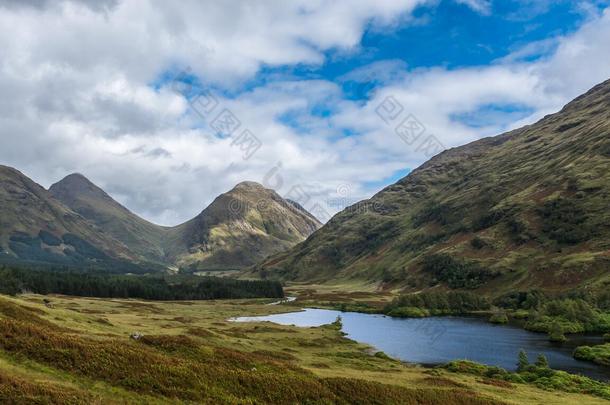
(528, 207)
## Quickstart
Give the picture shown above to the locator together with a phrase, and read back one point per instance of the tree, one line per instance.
(556, 333)
(541, 361)
(523, 362)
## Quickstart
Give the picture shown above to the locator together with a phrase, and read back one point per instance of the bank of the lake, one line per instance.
(439, 340)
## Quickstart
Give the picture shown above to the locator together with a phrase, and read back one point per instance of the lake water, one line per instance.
(438, 340)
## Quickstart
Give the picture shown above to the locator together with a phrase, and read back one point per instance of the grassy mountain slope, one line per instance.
(142, 237)
(526, 209)
(36, 227)
(239, 228)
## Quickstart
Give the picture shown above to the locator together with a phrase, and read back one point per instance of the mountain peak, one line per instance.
(84, 197)
(249, 185)
(75, 180)
(74, 187)
(76, 177)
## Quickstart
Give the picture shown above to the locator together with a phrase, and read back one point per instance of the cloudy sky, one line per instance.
(167, 104)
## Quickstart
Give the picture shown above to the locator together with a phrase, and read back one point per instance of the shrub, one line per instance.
(520, 300)
(542, 377)
(599, 354)
(408, 312)
(478, 243)
(564, 221)
(456, 273)
(499, 318)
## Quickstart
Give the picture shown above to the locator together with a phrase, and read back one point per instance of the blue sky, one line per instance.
(312, 81)
(450, 35)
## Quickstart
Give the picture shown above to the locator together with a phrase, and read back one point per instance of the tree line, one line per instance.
(15, 280)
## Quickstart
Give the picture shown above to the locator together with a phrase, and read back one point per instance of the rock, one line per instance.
(136, 335)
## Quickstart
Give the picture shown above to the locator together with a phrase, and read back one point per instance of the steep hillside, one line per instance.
(238, 229)
(36, 227)
(526, 209)
(82, 196)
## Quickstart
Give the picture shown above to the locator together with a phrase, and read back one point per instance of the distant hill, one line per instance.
(143, 238)
(526, 209)
(240, 228)
(36, 227)
(76, 222)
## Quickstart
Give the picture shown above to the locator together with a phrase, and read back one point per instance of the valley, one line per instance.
(53, 353)
(350, 202)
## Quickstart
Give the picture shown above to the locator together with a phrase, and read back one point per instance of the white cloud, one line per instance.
(79, 79)
(480, 6)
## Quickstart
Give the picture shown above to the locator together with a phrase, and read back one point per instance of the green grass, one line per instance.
(189, 352)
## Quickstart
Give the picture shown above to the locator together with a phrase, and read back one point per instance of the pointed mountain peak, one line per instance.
(75, 181)
(76, 185)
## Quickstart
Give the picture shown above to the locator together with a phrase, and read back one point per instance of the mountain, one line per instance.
(82, 196)
(526, 209)
(239, 228)
(35, 227)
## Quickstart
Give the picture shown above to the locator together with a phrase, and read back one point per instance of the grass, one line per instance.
(189, 352)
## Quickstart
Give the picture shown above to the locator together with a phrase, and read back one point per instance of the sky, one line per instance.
(165, 105)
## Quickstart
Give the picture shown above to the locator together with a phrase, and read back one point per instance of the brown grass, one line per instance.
(17, 391)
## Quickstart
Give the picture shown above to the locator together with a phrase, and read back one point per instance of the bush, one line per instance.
(537, 375)
(598, 354)
(565, 222)
(499, 318)
(571, 315)
(478, 243)
(456, 273)
(409, 312)
(520, 300)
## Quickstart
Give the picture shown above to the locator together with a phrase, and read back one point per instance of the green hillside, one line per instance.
(526, 209)
(239, 228)
(142, 237)
(37, 228)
